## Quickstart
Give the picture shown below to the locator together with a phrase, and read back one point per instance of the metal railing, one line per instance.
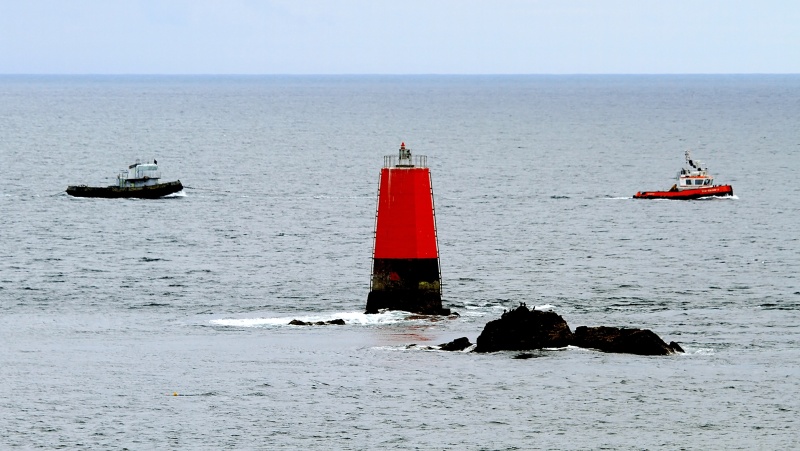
(415, 161)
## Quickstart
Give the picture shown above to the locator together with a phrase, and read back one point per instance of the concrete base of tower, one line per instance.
(415, 301)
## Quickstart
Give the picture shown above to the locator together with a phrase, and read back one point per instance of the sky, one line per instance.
(399, 36)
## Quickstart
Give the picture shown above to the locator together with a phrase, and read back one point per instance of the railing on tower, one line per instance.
(404, 159)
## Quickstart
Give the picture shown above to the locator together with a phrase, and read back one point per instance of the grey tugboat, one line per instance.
(140, 181)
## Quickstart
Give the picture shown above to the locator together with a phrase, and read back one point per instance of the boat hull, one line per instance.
(115, 192)
(722, 190)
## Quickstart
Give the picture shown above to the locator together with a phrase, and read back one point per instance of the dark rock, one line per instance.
(621, 340)
(522, 329)
(676, 347)
(419, 317)
(297, 322)
(459, 344)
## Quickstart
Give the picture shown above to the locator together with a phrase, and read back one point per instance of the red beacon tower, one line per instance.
(405, 258)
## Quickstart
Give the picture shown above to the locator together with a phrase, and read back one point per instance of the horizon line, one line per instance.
(376, 74)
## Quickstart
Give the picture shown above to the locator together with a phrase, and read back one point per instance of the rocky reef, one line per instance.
(623, 340)
(523, 329)
(459, 344)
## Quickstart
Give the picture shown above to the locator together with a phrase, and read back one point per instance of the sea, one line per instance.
(163, 324)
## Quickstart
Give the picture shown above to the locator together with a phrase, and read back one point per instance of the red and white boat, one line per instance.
(693, 183)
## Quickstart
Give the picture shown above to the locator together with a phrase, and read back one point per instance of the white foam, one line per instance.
(350, 318)
(732, 197)
(180, 193)
(356, 318)
(249, 322)
(476, 311)
(424, 348)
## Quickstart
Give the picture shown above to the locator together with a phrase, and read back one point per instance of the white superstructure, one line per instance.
(694, 175)
(139, 174)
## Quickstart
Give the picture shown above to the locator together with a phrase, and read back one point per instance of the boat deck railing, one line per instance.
(414, 161)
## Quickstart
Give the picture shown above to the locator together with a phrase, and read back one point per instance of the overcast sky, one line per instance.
(398, 36)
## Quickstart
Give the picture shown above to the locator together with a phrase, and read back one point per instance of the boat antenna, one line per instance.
(689, 160)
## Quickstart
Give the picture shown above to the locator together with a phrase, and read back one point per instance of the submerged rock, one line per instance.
(297, 322)
(459, 344)
(676, 347)
(522, 329)
(622, 340)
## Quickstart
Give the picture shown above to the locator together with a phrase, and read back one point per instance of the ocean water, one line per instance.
(130, 324)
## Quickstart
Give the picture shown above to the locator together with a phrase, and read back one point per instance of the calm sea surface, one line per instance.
(110, 307)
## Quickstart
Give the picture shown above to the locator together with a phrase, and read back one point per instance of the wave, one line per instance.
(350, 318)
(494, 308)
(424, 348)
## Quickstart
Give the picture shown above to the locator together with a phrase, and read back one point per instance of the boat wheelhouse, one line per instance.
(694, 175)
(138, 175)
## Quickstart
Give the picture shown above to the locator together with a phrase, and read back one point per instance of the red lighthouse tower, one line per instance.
(405, 268)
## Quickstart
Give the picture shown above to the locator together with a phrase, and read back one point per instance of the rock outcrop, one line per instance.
(459, 344)
(622, 340)
(522, 329)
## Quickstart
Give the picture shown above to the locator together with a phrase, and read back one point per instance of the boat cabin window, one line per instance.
(707, 182)
(698, 182)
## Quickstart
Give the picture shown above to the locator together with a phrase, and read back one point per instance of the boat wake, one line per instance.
(181, 193)
(731, 197)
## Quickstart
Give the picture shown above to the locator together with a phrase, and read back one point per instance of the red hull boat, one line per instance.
(721, 190)
(694, 182)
